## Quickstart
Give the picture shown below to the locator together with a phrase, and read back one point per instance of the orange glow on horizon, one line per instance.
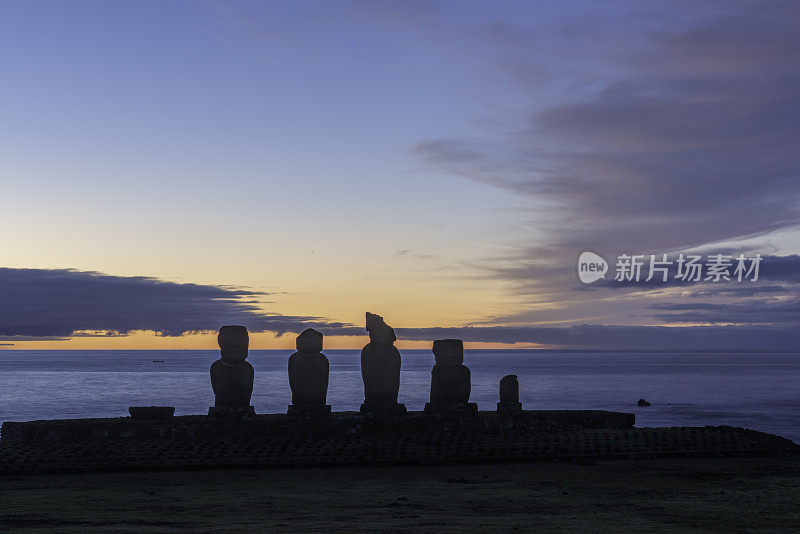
(258, 341)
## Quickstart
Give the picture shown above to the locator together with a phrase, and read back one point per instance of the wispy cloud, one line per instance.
(660, 156)
(414, 254)
(750, 311)
(671, 133)
(591, 336)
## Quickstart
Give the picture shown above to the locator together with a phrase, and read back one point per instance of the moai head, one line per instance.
(509, 389)
(448, 351)
(233, 342)
(379, 331)
(309, 341)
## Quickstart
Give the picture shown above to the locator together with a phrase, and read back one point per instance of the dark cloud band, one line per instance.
(47, 303)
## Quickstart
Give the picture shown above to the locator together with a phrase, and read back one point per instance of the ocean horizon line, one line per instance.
(517, 350)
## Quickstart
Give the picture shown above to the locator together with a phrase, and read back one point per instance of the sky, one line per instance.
(170, 167)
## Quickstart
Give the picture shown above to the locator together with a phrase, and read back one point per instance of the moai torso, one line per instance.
(231, 375)
(308, 370)
(450, 379)
(380, 365)
(509, 396)
(380, 371)
(509, 390)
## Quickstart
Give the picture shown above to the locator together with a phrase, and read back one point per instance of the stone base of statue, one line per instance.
(231, 413)
(309, 410)
(509, 408)
(383, 410)
(452, 408)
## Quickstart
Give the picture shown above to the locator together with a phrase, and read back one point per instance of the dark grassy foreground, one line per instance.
(667, 495)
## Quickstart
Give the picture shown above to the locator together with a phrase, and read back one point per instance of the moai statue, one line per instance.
(232, 376)
(380, 369)
(308, 376)
(450, 379)
(509, 396)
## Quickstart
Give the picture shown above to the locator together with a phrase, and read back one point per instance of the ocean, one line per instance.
(752, 390)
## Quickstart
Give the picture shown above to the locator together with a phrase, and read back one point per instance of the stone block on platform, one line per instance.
(151, 412)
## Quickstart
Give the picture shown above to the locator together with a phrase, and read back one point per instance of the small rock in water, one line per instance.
(642, 402)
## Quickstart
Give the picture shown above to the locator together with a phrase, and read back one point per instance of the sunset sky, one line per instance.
(169, 167)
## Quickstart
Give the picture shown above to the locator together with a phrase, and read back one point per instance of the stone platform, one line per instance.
(193, 442)
(335, 424)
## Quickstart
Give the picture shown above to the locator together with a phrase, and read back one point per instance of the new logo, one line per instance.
(591, 267)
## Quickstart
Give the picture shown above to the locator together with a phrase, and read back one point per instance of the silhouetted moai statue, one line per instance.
(308, 376)
(380, 369)
(231, 375)
(450, 379)
(509, 395)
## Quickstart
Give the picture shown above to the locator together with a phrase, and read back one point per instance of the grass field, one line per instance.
(691, 495)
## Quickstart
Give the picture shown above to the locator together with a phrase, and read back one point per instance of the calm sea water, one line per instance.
(759, 391)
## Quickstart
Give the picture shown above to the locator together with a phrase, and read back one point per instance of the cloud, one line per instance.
(420, 255)
(60, 303)
(769, 311)
(707, 152)
(668, 134)
(605, 337)
(740, 291)
(781, 268)
(57, 303)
